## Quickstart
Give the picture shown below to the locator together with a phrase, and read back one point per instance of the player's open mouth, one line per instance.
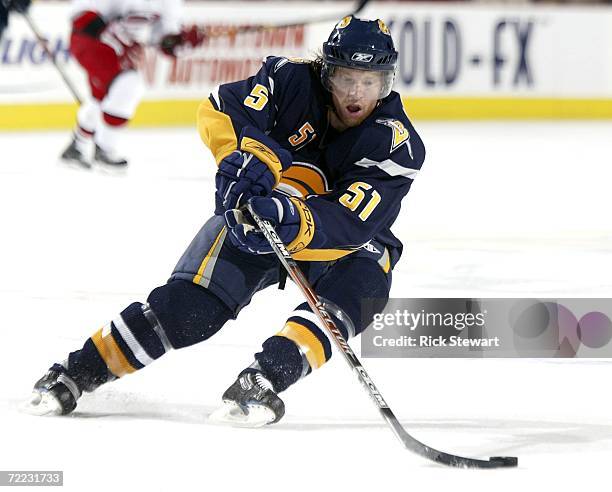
(353, 108)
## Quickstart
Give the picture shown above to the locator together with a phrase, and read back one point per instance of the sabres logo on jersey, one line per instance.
(400, 134)
(303, 179)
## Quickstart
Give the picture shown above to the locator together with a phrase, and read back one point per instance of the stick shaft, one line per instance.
(44, 44)
(318, 308)
(232, 31)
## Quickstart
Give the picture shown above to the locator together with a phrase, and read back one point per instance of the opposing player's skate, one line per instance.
(55, 393)
(109, 160)
(250, 402)
(73, 155)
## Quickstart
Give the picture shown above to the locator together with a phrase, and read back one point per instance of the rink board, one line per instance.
(456, 61)
(183, 112)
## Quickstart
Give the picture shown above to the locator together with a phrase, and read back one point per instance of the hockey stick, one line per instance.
(232, 31)
(319, 309)
(43, 43)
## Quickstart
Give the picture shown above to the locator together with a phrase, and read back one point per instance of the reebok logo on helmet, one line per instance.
(362, 57)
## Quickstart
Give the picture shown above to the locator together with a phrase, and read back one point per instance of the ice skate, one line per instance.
(73, 155)
(108, 160)
(250, 402)
(55, 393)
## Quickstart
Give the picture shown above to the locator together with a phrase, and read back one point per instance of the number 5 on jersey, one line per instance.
(258, 98)
(356, 193)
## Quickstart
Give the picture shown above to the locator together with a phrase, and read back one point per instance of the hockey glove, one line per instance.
(290, 217)
(129, 51)
(191, 36)
(254, 170)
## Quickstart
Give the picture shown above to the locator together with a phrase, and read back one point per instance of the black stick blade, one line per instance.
(505, 461)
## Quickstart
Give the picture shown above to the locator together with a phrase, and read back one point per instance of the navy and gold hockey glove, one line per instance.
(253, 170)
(290, 217)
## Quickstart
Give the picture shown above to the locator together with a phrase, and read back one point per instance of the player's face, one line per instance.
(355, 94)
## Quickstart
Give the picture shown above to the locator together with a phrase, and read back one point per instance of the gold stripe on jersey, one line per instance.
(306, 175)
(385, 261)
(213, 249)
(216, 131)
(387, 266)
(111, 353)
(264, 154)
(321, 254)
(400, 132)
(307, 227)
(307, 342)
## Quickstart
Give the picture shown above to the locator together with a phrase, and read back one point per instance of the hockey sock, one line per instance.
(82, 138)
(176, 315)
(118, 107)
(109, 132)
(88, 118)
(299, 348)
(303, 345)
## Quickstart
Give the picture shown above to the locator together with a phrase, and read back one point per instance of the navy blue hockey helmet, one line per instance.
(363, 45)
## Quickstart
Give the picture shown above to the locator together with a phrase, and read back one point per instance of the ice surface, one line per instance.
(500, 209)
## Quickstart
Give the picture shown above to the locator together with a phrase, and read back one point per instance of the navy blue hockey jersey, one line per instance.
(352, 181)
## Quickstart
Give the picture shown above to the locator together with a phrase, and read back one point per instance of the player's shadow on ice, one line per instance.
(126, 406)
(499, 437)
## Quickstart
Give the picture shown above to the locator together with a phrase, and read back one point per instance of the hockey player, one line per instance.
(322, 149)
(107, 40)
(8, 5)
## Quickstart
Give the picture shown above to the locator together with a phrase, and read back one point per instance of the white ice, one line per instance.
(500, 210)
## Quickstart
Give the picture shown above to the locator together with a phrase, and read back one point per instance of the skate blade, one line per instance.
(231, 414)
(109, 170)
(41, 404)
(74, 164)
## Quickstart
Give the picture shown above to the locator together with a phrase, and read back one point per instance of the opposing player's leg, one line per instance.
(79, 150)
(116, 91)
(118, 107)
(303, 345)
(190, 308)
